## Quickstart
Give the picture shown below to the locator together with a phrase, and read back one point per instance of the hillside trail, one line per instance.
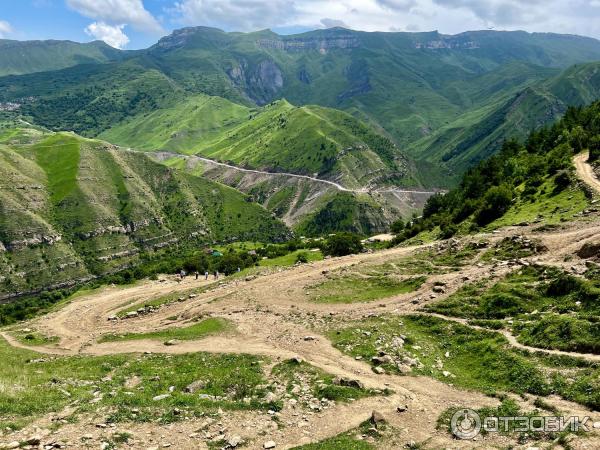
(334, 184)
(272, 316)
(585, 171)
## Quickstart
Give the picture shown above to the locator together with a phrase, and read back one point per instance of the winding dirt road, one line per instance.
(585, 171)
(272, 316)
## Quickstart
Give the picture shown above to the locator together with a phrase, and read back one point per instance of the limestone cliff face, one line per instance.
(261, 82)
(303, 44)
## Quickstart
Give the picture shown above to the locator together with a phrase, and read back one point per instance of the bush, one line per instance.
(343, 244)
(397, 226)
(496, 202)
(302, 258)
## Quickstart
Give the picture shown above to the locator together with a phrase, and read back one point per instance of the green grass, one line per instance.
(199, 330)
(356, 289)
(481, 360)
(548, 308)
(347, 440)
(513, 248)
(317, 382)
(32, 385)
(33, 337)
(291, 258)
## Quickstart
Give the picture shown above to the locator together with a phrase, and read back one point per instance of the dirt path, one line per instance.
(585, 172)
(272, 316)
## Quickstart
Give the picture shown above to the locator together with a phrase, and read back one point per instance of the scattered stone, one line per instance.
(402, 408)
(195, 386)
(269, 444)
(379, 370)
(161, 397)
(234, 441)
(171, 342)
(11, 445)
(34, 440)
(596, 425)
(342, 381)
(377, 418)
(310, 338)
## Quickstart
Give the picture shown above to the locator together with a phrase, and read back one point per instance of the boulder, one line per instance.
(269, 444)
(377, 418)
(195, 386)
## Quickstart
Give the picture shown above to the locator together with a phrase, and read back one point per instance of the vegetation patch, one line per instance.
(515, 247)
(309, 385)
(357, 288)
(133, 387)
(33, 338)
(543, 306)
(365, 437)
(193, 332)
(466, 357)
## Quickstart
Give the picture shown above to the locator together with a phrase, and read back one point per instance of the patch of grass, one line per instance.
(33, 338)
(547, 308)
(355, 289)
(197, 331)
(347, 441)
(508, 408)
(319, 384)
(291, 258)
(32, 385)
(515, 247)
(476, 359)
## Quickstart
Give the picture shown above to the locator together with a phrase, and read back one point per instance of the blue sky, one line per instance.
(135, 24)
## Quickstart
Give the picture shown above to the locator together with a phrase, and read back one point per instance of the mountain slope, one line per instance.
(308, 140)
(18, 57)
(480, 132)
(72, 208)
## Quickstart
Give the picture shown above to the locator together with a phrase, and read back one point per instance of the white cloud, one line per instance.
(448, 16)
(5, 28)
(111, 34)
(131, 12)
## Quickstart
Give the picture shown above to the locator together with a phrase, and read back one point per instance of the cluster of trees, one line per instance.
(488, 190)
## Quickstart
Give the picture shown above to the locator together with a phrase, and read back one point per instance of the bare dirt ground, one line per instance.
(272, 316)
(585, 171)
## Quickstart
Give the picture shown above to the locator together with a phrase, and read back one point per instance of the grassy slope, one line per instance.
(72, 207)
(280, 137)
(382, 78)
(18, 57)
(479, 132)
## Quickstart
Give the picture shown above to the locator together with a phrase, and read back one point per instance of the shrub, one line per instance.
(343, 244)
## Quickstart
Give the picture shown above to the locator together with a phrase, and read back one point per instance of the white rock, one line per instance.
(269, 444)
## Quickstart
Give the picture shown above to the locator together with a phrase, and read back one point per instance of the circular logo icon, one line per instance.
(465, 424)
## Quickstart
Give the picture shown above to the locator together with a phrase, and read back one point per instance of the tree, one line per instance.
(594, 145)
(496, 202)
(343, 244)
(397, 226)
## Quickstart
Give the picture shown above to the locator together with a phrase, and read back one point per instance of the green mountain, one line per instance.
(73, 208)
(279, 137)
(17, 57)
(529, 181)
(479, 133)
(444, 101)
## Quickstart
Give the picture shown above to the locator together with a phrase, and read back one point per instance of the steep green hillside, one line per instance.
(308, 140)
(72, 208)
(480, 132)
(531, 182)
(441, 97)
(18, 57)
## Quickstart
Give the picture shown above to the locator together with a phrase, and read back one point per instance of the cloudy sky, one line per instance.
(138, 23)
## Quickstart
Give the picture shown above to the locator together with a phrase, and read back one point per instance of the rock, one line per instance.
(14, 444)
(589, 250)
(596, 425)
(439, 289)
(161, 397)
(104, 446)
(113, 318)
(379, 370)
(379, 360)
(402, 408)
(269, 444)
(171, 342)
(404, 368)
(234, 441)
(34, 440)
(377, 418)
(131, 314)
(195, 386)
(446, 373)
(342, 381)
(310, 338)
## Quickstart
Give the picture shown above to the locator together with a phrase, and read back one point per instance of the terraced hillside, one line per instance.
(72, 209)
(446, 101)
(309, 140)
